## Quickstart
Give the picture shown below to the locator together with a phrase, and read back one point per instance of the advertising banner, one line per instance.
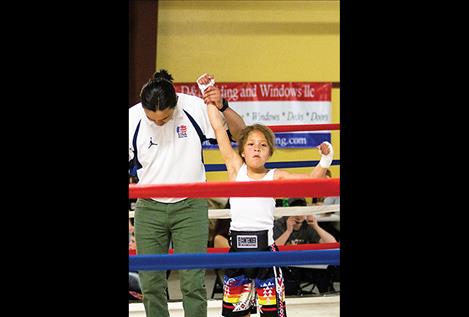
(278, 103)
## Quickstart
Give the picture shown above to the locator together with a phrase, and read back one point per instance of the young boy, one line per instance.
(254, 216)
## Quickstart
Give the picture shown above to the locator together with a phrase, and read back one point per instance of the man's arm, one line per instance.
(283, 238)
(326, 237)
(234, 121)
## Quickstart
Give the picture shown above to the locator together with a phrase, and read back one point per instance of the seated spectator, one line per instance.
(299, 230)
(221, 235)
(214, 203)
(221, 239)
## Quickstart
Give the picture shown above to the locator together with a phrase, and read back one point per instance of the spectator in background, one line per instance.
(214, 203)
(300, 229)
(293, 230)
(221, 237)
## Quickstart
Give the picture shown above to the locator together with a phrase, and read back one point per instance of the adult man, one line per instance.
(166, 131)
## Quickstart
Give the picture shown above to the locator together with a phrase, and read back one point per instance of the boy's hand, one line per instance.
(205, 81)
(327, 153)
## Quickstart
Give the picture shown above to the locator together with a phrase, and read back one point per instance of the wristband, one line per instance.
(326, 160)
(225, 105)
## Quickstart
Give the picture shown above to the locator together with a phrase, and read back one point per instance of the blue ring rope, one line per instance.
(153, 262)
(222, 167)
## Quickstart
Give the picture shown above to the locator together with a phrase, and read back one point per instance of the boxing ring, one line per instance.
(219, 258)
(324, 306)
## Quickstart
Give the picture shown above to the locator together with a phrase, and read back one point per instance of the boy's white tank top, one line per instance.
(252, 213)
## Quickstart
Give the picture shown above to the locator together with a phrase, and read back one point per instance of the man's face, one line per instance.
(160, 117)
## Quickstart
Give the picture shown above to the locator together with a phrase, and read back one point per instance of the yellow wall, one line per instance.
(240, 41)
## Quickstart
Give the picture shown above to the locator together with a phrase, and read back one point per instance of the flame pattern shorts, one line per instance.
(242, 287)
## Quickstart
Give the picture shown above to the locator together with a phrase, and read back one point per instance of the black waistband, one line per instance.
(249, 240)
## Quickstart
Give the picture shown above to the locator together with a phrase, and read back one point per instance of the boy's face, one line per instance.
(256, 150)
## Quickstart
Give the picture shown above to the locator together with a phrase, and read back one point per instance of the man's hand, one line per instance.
(312, 221)
(213, 95)
(290, 223)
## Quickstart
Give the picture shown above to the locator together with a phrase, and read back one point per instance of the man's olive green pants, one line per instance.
(185, 223)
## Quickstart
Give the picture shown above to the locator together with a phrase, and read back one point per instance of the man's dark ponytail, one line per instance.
(159, 93)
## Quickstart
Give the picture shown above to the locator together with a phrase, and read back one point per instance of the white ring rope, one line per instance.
(321, 210)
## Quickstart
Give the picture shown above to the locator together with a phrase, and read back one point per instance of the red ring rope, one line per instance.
(298, 247)
(311, 187)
